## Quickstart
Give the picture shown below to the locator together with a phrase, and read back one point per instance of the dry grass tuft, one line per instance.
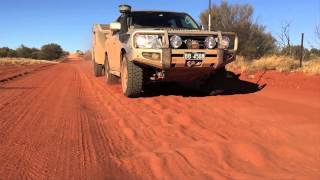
(278, 63)
(312, 66)
(24, 61)
(241, 64)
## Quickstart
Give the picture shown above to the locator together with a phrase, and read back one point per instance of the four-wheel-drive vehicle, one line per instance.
(147, 46)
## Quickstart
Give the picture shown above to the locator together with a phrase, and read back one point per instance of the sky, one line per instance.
(69, 22)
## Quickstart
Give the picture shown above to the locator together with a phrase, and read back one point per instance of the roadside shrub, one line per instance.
(35, 53)
(66, 53)
(80, 53)
(12, 53)
(7, 52)
(47, 52)
(24, 52)
(312, 66)
(254, 40)
(51, 51)
(275, 62)
(295, 52)
(315, 52)
(88, 55)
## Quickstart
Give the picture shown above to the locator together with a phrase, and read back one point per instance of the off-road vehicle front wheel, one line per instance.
(131, 78)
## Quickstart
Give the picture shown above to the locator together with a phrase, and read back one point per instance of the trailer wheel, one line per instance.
(97, 69)
(131, 78)
(110, 78)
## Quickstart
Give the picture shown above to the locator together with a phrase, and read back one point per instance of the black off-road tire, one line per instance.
(97, 69)
(131, 78)
(110, 78)
(219, 79)
(214, 84)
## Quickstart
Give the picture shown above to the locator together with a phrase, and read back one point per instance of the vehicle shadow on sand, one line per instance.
(229, 86)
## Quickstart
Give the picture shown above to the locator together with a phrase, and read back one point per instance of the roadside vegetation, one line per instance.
(87, 55)
(277, 63)
(24, 61)
(259, 49)
(46, 52)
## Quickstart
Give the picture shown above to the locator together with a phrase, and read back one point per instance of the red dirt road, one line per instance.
(63, 123)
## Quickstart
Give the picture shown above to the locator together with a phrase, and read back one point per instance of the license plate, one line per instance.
(194, 56)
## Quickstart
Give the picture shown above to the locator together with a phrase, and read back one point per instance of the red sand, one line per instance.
(63, 123)
(10, 71)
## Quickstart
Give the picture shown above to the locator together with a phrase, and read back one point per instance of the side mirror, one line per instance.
(115, 26)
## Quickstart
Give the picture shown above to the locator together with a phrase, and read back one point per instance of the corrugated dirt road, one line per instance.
(63, 123)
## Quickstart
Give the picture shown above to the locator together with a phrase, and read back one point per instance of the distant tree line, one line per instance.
(254, 41)
(46, 52)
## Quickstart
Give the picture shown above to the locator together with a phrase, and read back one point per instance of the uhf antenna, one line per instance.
(209, 25)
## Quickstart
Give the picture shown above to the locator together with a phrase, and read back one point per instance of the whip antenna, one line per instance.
(209, 22)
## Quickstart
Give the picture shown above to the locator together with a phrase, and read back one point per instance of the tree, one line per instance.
(7, 52)
(24, 52)
(48, 52)
(254, 40)
(51, 51)
(284, 38)
(12, 53)
(36, 53)
(4, 52)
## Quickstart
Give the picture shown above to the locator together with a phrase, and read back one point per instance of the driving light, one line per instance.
(152, 56)
(210, 42)
(176, 41)
(225, 42)
(148, 41)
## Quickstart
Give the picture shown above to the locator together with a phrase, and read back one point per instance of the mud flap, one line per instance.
(220, 56)
(166, 58)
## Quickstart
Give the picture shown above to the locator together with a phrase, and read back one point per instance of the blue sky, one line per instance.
(68, 22)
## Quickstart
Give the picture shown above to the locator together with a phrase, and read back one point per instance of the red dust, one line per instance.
(63, 123)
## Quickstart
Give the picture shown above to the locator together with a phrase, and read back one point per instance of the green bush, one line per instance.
(7, 52)
(4, 52)
(12, 53)
(47, 52)
(51, 51)
(254, 41)
(24, 52)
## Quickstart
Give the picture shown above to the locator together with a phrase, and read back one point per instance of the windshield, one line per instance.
(163, 20)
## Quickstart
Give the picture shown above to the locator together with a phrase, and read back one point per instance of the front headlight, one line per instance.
(175, 41)
(225, 42)
(148, 41)
(210, 42)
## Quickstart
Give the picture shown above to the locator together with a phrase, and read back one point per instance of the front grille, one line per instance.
(200, 39)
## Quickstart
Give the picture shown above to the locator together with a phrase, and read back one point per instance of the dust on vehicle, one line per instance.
(143, 47)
